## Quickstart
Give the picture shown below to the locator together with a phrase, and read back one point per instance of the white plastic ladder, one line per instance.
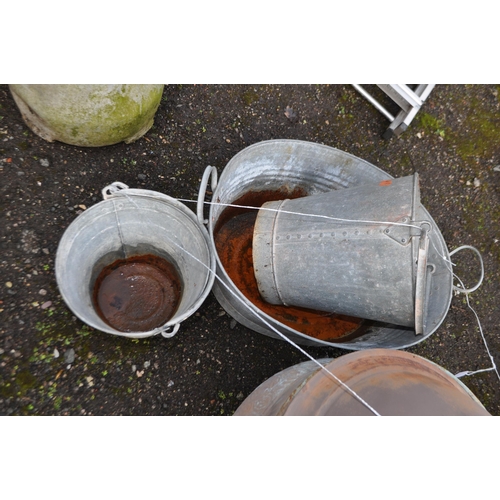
(410, 102)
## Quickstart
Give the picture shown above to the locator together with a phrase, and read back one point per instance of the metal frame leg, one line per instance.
(410, 102)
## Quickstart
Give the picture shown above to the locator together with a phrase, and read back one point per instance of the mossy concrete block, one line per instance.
(88, 115)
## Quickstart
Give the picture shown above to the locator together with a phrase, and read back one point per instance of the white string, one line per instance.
(493, 365)
(284, 337)
(345, 386)
(439, 252)
(338, 219)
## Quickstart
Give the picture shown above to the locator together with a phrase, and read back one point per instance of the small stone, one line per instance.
(69, 356)
(134, 368)
(147, 364)
(240, 396)
(232, 325)
(497, 168)
(44, 162)
(90, 380)
(45, 251)
(170, 383)
(42, 291)
(477, 182)
(8, 284)
(141, 177)
(291, 114)
(56, 353)
(139, 374)
(83, 207)
(47, 304)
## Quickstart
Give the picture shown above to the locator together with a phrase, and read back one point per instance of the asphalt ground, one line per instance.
(51, 363)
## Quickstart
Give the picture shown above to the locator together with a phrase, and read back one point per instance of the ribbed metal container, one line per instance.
(353, 251)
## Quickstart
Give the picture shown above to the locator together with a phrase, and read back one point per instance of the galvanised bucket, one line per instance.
(287, 165)
(360, 251)
(131, 222)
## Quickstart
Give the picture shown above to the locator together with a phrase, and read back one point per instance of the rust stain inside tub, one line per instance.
(233, 237)
(137, 294)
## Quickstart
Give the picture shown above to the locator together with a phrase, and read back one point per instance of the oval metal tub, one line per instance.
(314, 168)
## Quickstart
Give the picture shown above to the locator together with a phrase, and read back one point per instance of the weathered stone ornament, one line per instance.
(88, 115)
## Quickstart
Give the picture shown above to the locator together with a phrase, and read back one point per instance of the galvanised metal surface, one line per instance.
(315, 168)
(352, 251)
(393, 383)
(134, 222)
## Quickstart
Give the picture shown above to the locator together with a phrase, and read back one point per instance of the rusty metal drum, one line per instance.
(391, 382)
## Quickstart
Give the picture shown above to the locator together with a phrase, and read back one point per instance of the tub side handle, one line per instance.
(209, 172)
(474, 288)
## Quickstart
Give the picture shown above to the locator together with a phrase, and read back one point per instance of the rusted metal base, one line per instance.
(233, 240)
(137, 294)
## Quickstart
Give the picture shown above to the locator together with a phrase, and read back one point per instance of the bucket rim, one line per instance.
(298, 142)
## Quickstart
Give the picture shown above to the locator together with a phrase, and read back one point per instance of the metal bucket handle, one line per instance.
(108, 191)
(209, 172)
(170, 331)
(421, 277)
(474, 288)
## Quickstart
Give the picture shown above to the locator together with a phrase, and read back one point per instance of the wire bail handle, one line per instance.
(421, 277)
